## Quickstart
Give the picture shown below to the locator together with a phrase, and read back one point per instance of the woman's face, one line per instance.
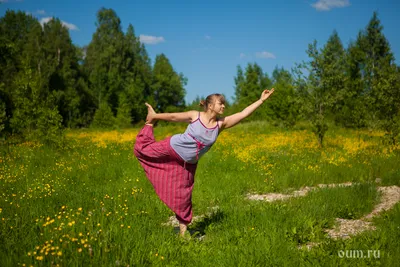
(218, 107)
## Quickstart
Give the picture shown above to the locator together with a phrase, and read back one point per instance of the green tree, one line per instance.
(104, 117)
(323, 86)
(15, 32)
(138, 80)
(372, 88)
(248, 88)
(104, 62)
(283, 106)
(168, 86)
(379, 78)
(35, 116)
(239, 83)
(61, 71)
(123, 119)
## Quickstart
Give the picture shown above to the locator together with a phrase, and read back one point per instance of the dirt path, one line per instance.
(347, 228)
(344, 228)
(298, 193)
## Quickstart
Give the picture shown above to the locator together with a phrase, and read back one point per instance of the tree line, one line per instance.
(354, 87)
(48, 84)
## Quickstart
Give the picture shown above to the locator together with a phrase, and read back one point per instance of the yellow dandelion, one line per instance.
(79, 250)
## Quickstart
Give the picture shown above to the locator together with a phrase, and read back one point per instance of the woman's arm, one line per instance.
(234, 119)
(187, 116)
(152, 116)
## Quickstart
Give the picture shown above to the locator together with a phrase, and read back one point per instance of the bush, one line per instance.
(103, 117)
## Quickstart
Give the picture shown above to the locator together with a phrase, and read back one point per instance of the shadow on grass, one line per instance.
(198, 228)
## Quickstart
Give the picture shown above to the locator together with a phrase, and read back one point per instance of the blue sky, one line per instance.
(206, 40)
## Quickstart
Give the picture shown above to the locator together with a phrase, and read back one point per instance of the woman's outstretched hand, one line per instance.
(266, 93)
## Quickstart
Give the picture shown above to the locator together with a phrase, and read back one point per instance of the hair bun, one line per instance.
(202, 103)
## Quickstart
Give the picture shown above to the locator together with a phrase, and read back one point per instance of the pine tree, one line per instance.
(374, 77)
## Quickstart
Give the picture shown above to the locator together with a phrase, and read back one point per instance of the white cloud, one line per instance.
(40, 12)
(242, 55)
(69, 26)
(326, 5)
(265, 54)
(45, 20)
(5, 1)
(208, 37)
(147, 39)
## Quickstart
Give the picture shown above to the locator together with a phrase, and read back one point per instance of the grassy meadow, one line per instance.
(90, 204)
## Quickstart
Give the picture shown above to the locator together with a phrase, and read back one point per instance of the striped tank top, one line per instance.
(195, 141)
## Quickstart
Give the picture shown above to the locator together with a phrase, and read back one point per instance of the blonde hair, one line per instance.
(210, 99)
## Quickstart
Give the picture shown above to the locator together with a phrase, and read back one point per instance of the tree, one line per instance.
(239, 83)
(137, 85)
(248, 88)
(35, 116)
(168, 86)
(373, 86)
(104, 62)
(283, 106)
(61, 72)
(321, 90)
(15, 31)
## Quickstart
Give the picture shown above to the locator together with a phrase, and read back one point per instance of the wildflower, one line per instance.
(59, 253)
(79, 250)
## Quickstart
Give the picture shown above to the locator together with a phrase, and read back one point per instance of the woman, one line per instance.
(170, 164)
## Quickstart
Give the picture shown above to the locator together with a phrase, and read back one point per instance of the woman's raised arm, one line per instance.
(234, 119)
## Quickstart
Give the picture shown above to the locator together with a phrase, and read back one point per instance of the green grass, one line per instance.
(112, 208)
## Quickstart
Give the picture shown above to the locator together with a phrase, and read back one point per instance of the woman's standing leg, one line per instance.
(182, 228)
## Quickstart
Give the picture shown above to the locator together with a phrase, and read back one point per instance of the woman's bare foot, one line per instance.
(182, 229)
(150, 115)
